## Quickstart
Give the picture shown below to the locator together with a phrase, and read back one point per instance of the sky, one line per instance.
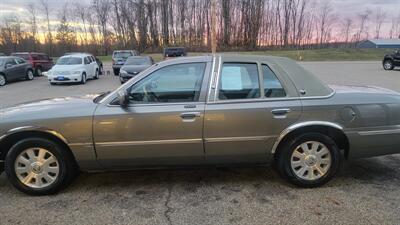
(342, 8)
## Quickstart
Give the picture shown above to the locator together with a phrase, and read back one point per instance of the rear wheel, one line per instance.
(29, 75)
(116, 72)
(309, 160)
(388, 64)
(3, 80)
(38, 166)
(39, 72)
(96, 75)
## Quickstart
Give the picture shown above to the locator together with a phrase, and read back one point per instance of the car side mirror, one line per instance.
(123, 98)
(9, 65)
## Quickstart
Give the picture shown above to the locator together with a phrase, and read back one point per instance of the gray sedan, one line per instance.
(14, 68)
(201, 111)
(133, 66)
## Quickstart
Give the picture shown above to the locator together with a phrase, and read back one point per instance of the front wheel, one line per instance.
(3, 80)
(309, 160)
(83, 78)
(38, 166)
(388, 64)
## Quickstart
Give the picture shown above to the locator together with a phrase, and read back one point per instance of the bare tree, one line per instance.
(379, 19)
(46, 11)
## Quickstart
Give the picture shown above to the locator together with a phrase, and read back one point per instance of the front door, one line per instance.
(248, 111)
(162, 125)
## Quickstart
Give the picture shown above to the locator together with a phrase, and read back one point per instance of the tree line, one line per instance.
(101, 26)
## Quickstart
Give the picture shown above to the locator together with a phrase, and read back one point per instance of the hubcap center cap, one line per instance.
(310, 160)
(37, 168)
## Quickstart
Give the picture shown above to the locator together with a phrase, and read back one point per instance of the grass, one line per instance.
(339, 54)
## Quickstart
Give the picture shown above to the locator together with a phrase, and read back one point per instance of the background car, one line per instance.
(40, 62)
(99, 62)
(390, 61)
(133, 66)
(172, 52)
(73, 69)
(14, 68)
(119, 57)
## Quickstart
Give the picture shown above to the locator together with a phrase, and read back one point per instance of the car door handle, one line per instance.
(190, 115)
(280, 112)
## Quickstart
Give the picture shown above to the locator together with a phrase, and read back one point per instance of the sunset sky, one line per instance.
(342, 8)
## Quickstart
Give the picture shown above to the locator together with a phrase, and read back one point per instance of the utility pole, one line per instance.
(213, 27)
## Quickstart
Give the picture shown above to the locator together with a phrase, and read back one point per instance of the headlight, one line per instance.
(76, 72)
(123, 71)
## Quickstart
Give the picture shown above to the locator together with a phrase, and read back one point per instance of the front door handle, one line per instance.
(280, 113)
(190, 115)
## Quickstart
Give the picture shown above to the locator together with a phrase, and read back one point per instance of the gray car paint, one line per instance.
(14, 72)
(105, 136)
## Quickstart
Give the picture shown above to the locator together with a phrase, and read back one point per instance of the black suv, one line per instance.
(172, 52)
(390, 61)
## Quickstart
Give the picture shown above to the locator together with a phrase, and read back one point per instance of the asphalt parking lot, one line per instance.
(364, 192)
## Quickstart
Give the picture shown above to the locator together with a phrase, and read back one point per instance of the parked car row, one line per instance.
(76, 67)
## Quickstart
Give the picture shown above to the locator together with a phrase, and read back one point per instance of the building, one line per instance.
(380, 43)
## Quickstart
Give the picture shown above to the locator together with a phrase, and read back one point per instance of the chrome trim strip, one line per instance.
(153, 142)
(88, 144)
(300, 125)
(379, 132)
(233, 139)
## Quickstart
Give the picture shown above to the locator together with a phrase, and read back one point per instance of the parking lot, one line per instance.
(365, 191)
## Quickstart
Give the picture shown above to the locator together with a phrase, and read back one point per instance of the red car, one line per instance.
(40, 61)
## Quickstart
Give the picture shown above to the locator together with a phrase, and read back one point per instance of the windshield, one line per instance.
(122, 54)
(138, 61)
(69, 61)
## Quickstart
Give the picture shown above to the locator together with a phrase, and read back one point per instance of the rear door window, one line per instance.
(272, 86)
(239, 81)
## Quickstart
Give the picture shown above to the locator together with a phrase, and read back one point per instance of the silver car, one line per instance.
(208, 110)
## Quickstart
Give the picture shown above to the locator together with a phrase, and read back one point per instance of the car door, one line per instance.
(12, 70)
(162, 124)
(94, 64)
(22, 66)
(88, 67)
(247, 109)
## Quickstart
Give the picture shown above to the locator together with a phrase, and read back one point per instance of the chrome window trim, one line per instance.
(150, 142)
(301, 125)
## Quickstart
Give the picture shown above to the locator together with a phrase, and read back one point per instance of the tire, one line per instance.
(388, 64)
(29, 75)
(304, 172)
(39, 72)
(116, 72)
(3, 80)
(53, 83)
(96, 75)
(101, 70)
(83, 79)
(59, 172)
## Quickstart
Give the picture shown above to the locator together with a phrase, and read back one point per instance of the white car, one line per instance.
(77, 68)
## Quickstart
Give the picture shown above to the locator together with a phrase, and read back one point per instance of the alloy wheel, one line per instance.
(311, 160)
(30, 75)
(2, 80)
(387, 65)
(36, 167)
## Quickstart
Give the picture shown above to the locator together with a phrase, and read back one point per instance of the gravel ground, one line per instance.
(364, 192)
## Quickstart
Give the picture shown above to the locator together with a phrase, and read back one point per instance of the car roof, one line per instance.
(139, 57)
(35, 53)
(76, 55)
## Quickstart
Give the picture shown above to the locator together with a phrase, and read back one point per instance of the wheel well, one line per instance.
(337, 135)
(9, 141)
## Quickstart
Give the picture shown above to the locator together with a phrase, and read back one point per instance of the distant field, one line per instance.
(306, 55)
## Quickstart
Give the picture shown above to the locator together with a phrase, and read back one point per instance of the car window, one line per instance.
(69, 61)
(176, 83)
(138, 61)
(35, 57)
(122, 54)
(87, 60)
(239, 81)
(20, 60)
(272, 86)
(11, 61)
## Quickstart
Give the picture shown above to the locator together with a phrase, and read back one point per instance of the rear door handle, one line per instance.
(190, 115)
(280, 112)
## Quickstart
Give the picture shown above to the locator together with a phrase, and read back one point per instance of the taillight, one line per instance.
(113, 61)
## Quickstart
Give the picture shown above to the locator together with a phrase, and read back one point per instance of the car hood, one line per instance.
(135, 68)
(362, 89)
(50, 108)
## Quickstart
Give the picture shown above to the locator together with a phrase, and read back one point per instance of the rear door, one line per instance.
(247, 109)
